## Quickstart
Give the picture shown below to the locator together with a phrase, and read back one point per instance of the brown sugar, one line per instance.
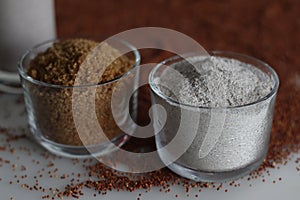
(59, 66)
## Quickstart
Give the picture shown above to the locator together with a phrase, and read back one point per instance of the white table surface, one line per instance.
(13, 116)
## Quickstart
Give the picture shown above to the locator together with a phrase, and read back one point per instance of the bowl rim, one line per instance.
(225, 54)
(23, 74)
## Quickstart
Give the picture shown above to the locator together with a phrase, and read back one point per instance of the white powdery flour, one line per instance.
(228, 136)
(220, 82)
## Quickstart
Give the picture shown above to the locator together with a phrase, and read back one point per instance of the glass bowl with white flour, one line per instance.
(213, 114)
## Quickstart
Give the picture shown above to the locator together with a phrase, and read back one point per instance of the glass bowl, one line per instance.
(50, 109)
(212, 143)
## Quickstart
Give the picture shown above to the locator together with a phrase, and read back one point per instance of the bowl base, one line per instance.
(203, 176)
(82, 151)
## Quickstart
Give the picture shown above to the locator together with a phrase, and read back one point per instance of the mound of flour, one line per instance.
(216, 82)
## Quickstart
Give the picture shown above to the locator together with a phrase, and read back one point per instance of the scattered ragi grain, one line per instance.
(285, 140)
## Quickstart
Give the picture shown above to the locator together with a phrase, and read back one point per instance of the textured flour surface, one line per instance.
(219, 82)
(225, 139)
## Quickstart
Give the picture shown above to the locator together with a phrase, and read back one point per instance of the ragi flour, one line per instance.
(212, 92)
(219, 82)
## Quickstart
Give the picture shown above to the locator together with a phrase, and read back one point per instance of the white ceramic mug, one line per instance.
(23, 24)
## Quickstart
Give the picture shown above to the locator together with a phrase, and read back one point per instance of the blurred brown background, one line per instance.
(266, 29)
